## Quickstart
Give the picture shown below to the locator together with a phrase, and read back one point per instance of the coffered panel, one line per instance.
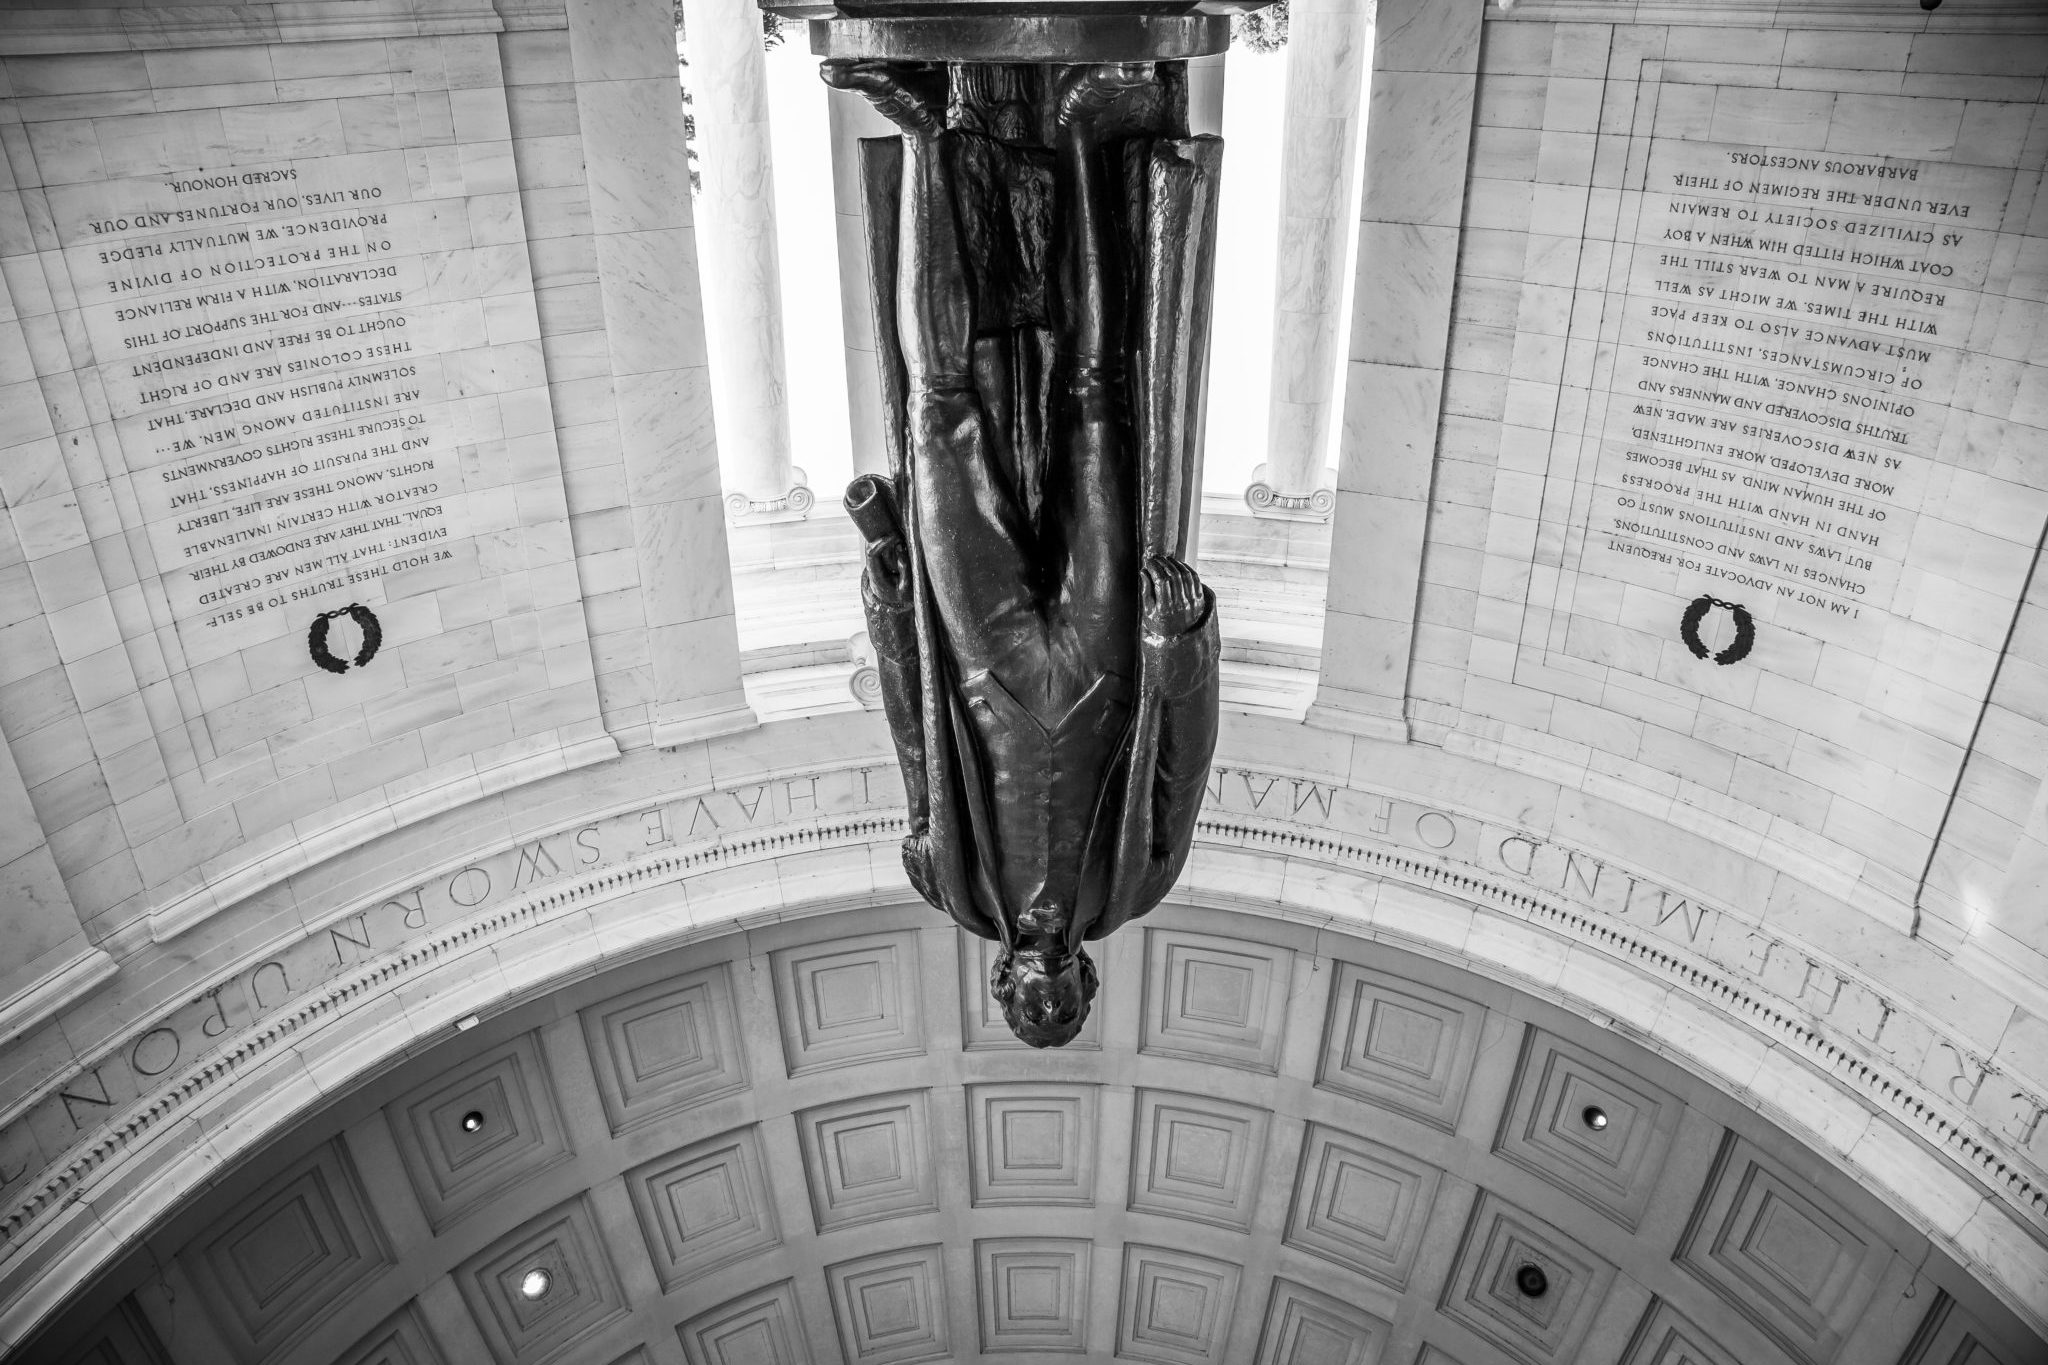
(1587, 1125)
(1361, 1204)
(1398, 1043)
(665, 1047)
(760, 1328)
(478, 1130)
(1176, 1307)
(982, 1026)
(1031, 1143)
(869, 1159)
(1543, 1323)
(1667, 1337)
(1196, 1157)
(1953, 1336)
(292, 1254)
(1033, 1293)
(891, 1307)
(849, 1001)
(401, 1339)
(1215, 999)
(581, 1298)
(705, 1206)
(1304, 1327)
(1781, 1252)
(123, 1337)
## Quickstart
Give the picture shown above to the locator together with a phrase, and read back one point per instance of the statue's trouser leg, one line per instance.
(969, 527)
(971, 536)
(1097, 610)
(1095, 500)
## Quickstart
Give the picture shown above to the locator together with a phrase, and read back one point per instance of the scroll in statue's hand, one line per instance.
(1173, 597)
(889, 571)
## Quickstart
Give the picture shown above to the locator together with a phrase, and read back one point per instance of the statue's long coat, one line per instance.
(1145, 815)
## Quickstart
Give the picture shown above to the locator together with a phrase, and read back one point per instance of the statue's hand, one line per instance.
(899, 91)
(1092, 89)
(1173, 596)
(889, 571)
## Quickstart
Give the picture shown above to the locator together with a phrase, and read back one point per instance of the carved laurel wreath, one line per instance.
(1689, 630)
(366, 621)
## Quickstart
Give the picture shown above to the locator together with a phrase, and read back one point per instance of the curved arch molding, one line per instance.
(285, 1007)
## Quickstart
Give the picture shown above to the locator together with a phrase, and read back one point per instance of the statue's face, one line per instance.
(1047, 1008)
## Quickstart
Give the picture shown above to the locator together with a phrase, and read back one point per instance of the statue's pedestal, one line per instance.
(996, 31)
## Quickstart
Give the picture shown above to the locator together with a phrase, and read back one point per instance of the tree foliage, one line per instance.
(1262, 30)
(774, 29)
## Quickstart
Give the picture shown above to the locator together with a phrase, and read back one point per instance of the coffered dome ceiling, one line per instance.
(813, 1142)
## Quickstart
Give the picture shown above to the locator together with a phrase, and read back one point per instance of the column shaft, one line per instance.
(1326, 47)
(727, 80)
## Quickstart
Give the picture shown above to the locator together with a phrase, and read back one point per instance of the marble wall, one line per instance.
(352, 471)
(1735, 486)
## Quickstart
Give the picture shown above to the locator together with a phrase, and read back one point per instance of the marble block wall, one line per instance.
(358, 454)
(1743, 324)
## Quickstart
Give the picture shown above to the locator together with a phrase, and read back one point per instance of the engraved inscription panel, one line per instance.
(1793, 328)
(270, 339)
(308, 393)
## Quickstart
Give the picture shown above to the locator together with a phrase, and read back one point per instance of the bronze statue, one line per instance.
(1041, 238)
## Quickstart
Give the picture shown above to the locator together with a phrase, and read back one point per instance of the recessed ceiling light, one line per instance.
(1531, 1280)
(536, 1284)
(1595, 1118)
(473, 1121)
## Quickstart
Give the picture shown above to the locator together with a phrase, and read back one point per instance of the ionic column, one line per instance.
(1327, 43)
(727, 78)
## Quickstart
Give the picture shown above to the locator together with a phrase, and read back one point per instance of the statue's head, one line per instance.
(1044, 995)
